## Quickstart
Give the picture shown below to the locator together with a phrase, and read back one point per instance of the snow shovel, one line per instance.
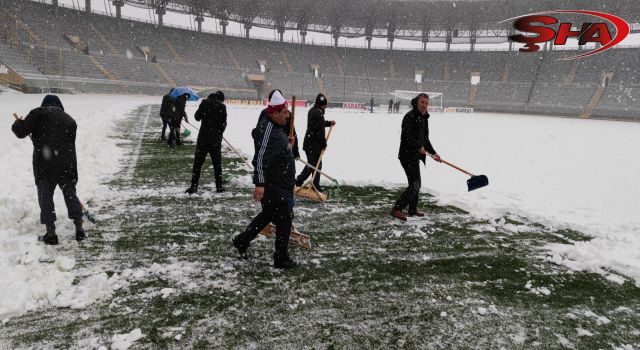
(88, 214)
(306, 190)
(232, 148)
(295, 237)
(186, 132)
(293, 115)
(475, 181)
(320, 171)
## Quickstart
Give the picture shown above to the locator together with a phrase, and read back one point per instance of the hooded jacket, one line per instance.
(213, 115)
(53, 134)
(314, 138)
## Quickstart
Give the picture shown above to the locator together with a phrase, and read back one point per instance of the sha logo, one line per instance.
(590, 32)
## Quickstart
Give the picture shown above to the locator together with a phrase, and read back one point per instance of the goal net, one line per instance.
(405, 97)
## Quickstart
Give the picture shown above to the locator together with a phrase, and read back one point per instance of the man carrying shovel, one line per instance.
(314, 140)
(414, 146)
(212, 113)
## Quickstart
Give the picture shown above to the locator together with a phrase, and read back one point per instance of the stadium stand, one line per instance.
(107, 51)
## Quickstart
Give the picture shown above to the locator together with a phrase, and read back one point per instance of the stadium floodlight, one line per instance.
(435, 98)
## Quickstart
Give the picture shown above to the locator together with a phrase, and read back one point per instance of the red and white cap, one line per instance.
(277, 103)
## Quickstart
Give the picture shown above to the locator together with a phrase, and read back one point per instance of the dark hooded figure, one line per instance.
(314, 140)
(212, 114)
(176, 114)
(53, 133)
(414, 146)
(165, 112)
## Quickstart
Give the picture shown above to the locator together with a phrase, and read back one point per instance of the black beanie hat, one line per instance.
(219, 96)
(321, 100)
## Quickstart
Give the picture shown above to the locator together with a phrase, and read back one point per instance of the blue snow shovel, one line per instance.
(475, 181)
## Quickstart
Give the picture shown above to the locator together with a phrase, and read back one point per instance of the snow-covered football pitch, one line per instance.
(547, 256)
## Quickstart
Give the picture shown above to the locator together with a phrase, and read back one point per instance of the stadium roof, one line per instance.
(405, 19)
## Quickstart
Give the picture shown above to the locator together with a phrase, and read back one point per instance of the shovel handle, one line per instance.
(239, 154)
(293, 115)
(456, 167)
(329, 133)
(16, 116)
(318, 170)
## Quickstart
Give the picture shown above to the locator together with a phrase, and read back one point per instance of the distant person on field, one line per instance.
(314, 140)
(371, 104)
(390, 106)
(165, 112)
(212, 114)
(414, 146)
(273, 177)
(53, 134)
(177, 113)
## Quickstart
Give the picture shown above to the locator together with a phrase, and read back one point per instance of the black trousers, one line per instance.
(280, 215)
(174, 134)
(46, 186)
(165, 123)
(201, 155)
(312, 158)
(411, 194)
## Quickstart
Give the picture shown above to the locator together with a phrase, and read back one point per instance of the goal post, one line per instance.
(435, 99)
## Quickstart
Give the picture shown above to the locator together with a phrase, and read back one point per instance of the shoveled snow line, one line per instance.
(136, 152)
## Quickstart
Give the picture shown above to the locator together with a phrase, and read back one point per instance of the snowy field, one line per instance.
(562, 173)
(578, 174)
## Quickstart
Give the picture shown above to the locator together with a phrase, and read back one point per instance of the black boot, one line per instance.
(281, 261)
(191, 190)
(219, 187)
(50, 237)
(242, 248)
(80, 235)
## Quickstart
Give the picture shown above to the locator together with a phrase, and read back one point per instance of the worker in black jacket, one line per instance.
(212, 114)
(286, 127)
(314, 140)
(177, 113)
(53, 133)
(165, 112)
(414, 146)
(273, 176)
